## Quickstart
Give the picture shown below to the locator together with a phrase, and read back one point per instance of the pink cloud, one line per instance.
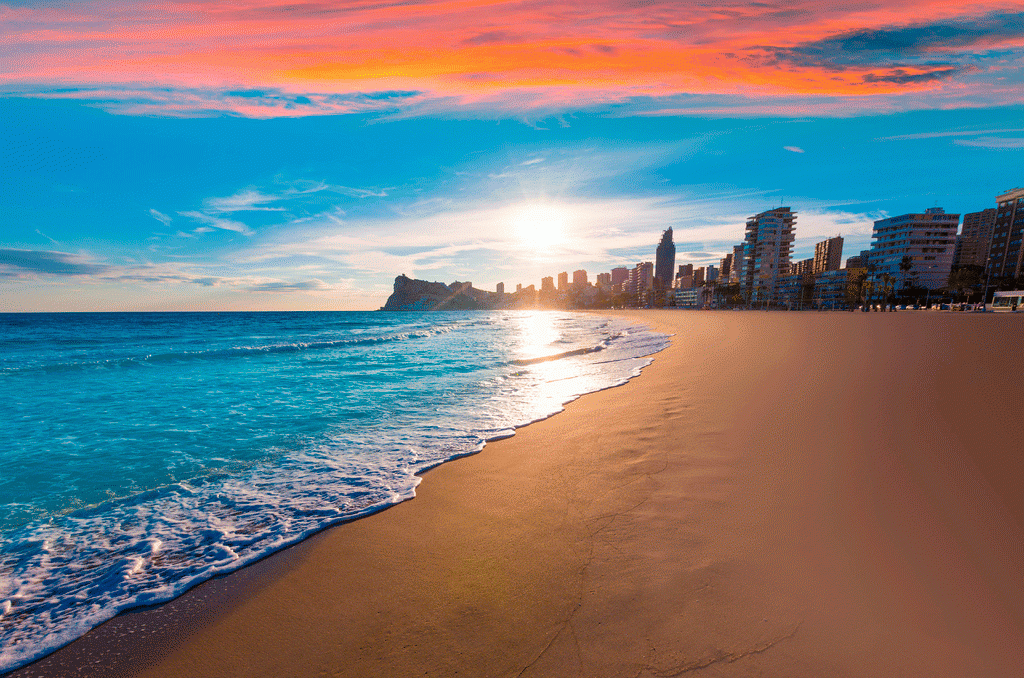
(509, 55)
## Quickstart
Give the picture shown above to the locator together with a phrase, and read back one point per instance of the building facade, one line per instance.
(767, 247)
(928, 239)
(828, 255)
(1005, 255)
(579, 278)
(832, 288)
(975, 240)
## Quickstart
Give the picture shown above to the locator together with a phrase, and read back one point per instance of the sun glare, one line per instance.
(540, 227)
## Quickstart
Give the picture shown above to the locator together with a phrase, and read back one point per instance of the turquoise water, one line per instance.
(144, 453)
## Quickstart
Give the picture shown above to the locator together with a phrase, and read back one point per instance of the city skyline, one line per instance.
(159, 157)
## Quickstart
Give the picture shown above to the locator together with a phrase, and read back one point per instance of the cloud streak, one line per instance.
(296, 59)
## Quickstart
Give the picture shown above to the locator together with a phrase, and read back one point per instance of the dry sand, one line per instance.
(779, 494)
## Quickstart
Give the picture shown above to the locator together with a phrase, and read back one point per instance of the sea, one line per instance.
(144, 453)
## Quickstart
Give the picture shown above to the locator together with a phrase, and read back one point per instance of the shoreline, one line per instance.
(658, 542)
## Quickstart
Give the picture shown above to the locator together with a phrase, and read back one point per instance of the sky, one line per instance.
(264, 154)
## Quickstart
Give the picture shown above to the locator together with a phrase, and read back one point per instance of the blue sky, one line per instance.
(104, 210)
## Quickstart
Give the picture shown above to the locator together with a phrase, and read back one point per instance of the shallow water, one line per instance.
(147, 452)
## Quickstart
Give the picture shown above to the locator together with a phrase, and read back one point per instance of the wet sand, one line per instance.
(779, 494)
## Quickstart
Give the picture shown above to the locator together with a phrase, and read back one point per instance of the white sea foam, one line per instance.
(453, 381)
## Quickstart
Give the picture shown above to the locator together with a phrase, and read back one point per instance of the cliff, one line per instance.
(420, 295)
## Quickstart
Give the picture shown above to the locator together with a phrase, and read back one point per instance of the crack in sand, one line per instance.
(726, 657)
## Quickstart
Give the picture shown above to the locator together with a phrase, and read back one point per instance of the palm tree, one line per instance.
(906, 265)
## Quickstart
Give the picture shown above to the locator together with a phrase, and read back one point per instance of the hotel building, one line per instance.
(975, 239)
(928, 239)
(828, 255)
(1005, 255)
(767, 245)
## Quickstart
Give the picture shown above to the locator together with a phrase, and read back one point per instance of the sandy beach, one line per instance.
(778, 494)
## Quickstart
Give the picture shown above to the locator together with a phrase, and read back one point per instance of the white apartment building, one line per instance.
(928, 239)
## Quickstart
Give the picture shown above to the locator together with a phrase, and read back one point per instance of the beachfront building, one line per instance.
(767, 246)
(691, 297)
(975, 239)
(828, 255)
(830, 288)
(579, 279)
(641, 283)
(928, 240)
(1006, 254)
(665, 260)
(794, 289)
(620, 276)
(604, 280)
(712, 274)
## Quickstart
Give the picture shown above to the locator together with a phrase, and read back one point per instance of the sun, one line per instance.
(540, 227)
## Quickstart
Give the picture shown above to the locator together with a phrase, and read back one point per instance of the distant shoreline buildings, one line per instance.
(913, 259)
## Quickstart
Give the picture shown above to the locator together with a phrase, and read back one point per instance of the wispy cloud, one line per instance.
(793, 149)
(49, 263)
(992, 142)
(953, 133)
(160, 216)
(216, 222)
(304, 286)
(47, 237)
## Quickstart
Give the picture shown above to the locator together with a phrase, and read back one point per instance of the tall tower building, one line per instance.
(500, 288)
(928, 240)
(1005, 254)
(563, 281)
(620, 275)
(828, 255)
(767, 246)
(579, 278)
(975, 240)
(547, 285)
(665, 259)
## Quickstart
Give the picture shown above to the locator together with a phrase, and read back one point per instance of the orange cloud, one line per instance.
(514, 54)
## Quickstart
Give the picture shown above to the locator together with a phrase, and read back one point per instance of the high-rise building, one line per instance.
(620, 275)
(604, 279)
(828, 255)
(1007, 233)
(738, 264)
(641, 282)
(547, 285)
(855, 262)
(665, 259)
(767, 245)
(712, 274)
(975, 239)
(563, 281)
(725, 266)
(579, 278)
(500, 288)
(698, 276)
(928, 240)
